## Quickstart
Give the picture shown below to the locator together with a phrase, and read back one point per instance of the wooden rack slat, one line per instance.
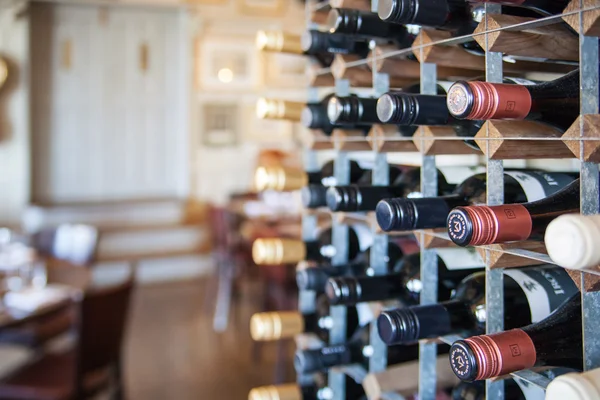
(318, 79)
(591, 19)
(591, 130)
(501, 147)
(379, 138)
(554, 42)
(343, 67)
(455, 56)
(317, 140)
(357, 140)
(425, 141)
(500, 256)
(435, 239)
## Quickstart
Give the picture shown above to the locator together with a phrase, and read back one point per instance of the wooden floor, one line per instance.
(172, 352)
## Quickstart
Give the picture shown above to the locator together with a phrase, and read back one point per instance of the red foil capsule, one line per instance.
(481, 225)
(501, 353)
(484, 100)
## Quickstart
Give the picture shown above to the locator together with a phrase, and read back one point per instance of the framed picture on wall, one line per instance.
(220, 124)
(226, 64)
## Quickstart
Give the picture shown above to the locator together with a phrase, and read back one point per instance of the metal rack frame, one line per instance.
(590, 204)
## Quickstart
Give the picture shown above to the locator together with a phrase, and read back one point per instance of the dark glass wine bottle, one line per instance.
(290, 43)
(314, 194)
(368, 25)
(481, 225)
(540, 290)
(405, 214)
(314, 116)
(356, 351)
(317, 42)
(351, 198)
(269, 326)
(407, 109)
(352, 110)
(554, 341)
(555, 102)
(274, 251)
(285, 178)
(403, 284)
(315, 278)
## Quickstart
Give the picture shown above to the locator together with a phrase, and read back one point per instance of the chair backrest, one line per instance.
(74, 243)
(102, 326)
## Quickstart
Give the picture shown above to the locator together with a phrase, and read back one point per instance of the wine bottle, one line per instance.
(481, 225)
(404, 283)
(405, 214)
(269, 326)
(356, 351)
(555, 102)
(273, 251)
(285, 42)
(317, 42)
(313, 391)
(315, 278)
(366, 197)
(554, 341)
(285, 178)
(352, 110)
(407, 109)
(575, 386)
(368, 25)
(572, 241)
(540, 290)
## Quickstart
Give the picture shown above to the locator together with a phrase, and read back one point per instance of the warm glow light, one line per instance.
(225, 75)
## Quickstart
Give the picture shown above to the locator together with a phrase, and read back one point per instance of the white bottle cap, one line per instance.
(573, 241)
(583, 386)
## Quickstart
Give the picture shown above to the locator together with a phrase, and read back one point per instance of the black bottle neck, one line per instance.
(413, 109)
(352, 110)
(353, 198)
(402, 214)
(317, 42)
(445, 14)
(366, 24)
(315, 278)
(410, 324)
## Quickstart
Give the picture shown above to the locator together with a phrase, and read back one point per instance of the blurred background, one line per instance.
(128, 142)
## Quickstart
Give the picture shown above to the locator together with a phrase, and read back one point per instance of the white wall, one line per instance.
(14, 116)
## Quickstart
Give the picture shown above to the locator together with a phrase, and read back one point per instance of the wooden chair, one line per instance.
(92, 365)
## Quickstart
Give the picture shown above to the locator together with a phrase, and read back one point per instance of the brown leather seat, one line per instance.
(91, 366)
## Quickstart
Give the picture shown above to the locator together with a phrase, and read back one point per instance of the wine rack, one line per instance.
(497, 142)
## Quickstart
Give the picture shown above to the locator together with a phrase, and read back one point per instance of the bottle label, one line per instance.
(456, 175)
(520, 81)
(538, 185)
(546, 289)
(463, 258)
